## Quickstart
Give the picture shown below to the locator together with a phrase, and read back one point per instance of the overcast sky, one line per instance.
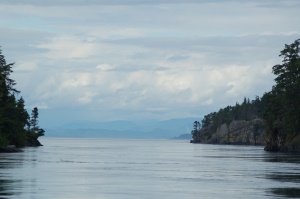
(103, 60)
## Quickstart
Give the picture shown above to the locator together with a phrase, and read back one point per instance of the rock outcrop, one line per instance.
(275, 143)
(239, 132)
(33, 143)
(9, 149)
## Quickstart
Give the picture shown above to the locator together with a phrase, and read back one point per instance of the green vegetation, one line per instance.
(16, 127)
(251, 111)
(279, 109)
(282, 114)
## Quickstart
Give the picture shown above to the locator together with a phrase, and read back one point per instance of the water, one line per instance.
(138, 169)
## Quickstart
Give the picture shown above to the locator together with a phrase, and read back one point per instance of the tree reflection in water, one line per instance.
(286, 192)
(5, 188)
(284, 177)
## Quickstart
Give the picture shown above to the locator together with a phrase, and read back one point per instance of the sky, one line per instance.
(103, 60)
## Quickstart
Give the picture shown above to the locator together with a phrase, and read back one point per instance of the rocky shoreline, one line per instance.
(9, 149)
(237, 132)
(241, 132)
(13, 149)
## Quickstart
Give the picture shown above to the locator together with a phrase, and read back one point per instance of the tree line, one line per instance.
(247, 110)
(279, 108)
(17, 127)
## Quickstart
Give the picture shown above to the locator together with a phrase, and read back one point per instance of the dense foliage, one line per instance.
(248, 110)
(17, 128)
(279, 108)
(282, 114)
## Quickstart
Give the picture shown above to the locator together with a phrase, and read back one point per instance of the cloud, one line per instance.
(26, 66)
(132, 68)
(87, 97)
(104, 60)
(205, 79)
(108, 2)
(104, 67)
(68, 47)
(21, 43)
(175, 58)
(266, 3)
(41, 105)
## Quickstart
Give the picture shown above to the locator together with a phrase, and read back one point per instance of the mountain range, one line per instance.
(146, 129)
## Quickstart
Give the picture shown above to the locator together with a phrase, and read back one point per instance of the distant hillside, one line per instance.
(186, 136)
(147, 129)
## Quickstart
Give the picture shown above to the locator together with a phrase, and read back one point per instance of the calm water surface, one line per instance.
(137, 169)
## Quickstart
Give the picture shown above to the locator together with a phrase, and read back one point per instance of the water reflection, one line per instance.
(121, 169)
(286, 192)
(284, 169)
(284, 177)
(282, 157)
(4, 188)
(10, 181)
(289, 192)
(7, 188)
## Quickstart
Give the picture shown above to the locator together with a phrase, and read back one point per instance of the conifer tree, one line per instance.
(282, 114)
(13, 115)
(34, 128)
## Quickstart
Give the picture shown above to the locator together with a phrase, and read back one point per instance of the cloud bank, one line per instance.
(107, 60)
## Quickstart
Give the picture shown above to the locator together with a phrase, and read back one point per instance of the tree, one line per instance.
(283, 107)
(34, 128)
(13, 115)
(196, 131)
(34, 119)
(23, 116)
(10, 127)
(7, 84)
(288, 73)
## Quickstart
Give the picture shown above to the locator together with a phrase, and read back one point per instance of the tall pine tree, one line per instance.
(283, 110)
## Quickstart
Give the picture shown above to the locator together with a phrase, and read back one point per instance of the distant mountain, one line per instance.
(146, 129)
(187, 136)
(110, 125)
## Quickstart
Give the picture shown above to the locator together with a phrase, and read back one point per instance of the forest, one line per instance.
(17, 127)
(279, 109)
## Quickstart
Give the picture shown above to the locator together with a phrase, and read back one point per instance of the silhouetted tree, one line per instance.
(13, 115)
(282, 114)
(196, 131)
(34, 128)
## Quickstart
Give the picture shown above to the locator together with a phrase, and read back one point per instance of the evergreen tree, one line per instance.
(283, 107)
(34, 128)
(7, 84)
(248, 111)
(13, 115)
(8, 124)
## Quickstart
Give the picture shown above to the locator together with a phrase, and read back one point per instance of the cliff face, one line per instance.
(274, 142)
(237, 132)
